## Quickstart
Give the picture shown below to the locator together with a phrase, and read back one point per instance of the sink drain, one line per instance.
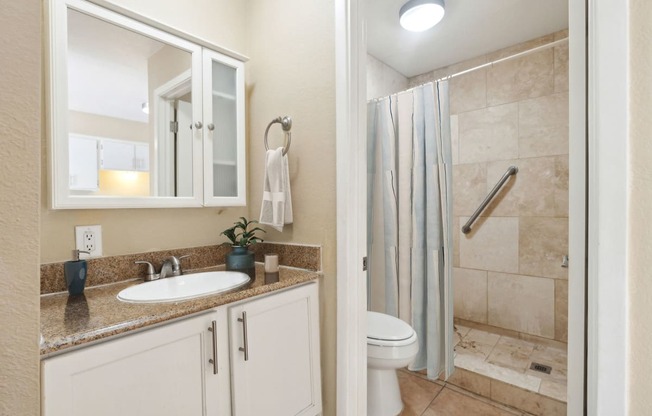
(542, 368)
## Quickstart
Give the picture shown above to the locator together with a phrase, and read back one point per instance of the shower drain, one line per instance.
(541, 368)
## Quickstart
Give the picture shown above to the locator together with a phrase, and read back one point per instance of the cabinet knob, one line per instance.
(198, 125)
(211, 126)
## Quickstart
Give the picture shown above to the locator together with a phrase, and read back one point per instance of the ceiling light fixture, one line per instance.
(420, 15)
(145, 107)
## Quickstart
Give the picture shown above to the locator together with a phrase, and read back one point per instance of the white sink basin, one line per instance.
(187, 286)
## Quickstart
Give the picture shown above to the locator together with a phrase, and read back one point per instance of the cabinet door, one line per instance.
(117, 155)
(162, 371)
(141, 157)
(281, 373)
(83, 167)
(224, 132)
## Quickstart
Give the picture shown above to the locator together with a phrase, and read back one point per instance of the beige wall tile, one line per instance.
(456, 241)
(521, 47)
(561, 310)
(521, 78)
(522, 303)
(469, 187)
(492, 244)
(475, 383)
(489, 134)
(561, 186)
(455, 142)
(470, 294)
(543, 126)
(542, 244)
(526, 400)
(468, 92)
(561, 67)
(540, 188)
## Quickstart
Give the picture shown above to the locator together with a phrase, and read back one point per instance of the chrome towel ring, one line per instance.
(286, 124)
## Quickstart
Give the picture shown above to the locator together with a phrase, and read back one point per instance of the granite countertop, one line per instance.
(68, 321)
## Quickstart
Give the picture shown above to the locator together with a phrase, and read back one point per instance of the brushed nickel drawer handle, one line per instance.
(213, 329)
(244, 336)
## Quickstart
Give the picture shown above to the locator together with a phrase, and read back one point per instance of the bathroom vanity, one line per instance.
(257, 355)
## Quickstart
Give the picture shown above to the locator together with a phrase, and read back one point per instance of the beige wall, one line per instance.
(20, 124)
(507, 271)
(292, 72)
(136, 230)
(640, 204)
(382, 79)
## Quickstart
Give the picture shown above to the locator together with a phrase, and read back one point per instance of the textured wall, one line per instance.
(292, 72)
(382, 79)
(640, 205)
(137, 230)
(507, 270)
(20, 110)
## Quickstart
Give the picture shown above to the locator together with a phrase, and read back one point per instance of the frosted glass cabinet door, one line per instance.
(158, 372)
(280, 374)
(224, 152)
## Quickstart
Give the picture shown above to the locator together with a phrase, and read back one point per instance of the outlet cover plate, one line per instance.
(83, 230)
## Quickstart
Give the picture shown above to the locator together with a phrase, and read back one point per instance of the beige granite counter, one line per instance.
(68, 321)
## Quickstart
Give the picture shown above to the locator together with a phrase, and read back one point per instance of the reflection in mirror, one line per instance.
(130, 112)
(225, 135)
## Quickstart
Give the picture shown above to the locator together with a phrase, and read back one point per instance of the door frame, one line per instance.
(597, 379)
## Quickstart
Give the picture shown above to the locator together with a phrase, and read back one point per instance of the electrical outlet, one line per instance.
(89, 238)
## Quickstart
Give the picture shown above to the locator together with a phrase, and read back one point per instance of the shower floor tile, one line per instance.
(509, 359)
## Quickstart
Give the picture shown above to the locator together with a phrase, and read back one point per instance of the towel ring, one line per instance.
(286, 124)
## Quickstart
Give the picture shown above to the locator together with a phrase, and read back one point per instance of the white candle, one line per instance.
(271, 263)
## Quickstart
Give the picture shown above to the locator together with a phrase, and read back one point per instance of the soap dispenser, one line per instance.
(75, 273)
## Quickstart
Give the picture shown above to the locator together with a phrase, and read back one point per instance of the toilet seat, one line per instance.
(387, 331)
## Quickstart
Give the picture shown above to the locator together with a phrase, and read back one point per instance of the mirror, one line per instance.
(129, 112)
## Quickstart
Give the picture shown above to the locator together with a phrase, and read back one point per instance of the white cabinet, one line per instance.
(124, 155)
(275, 354)
(83, 163)
(157, 372)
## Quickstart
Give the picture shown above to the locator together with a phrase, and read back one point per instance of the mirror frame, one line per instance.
(57, 109)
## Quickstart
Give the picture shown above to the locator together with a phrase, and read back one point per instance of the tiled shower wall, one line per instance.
(507, 271)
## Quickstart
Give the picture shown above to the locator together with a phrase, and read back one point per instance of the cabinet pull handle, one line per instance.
(211, 126)
(198, 125)
(213, 329)
(244, 336)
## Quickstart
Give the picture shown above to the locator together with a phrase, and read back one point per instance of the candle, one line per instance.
(271, 263)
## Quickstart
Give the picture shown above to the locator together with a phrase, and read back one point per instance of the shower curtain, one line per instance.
(410, 217)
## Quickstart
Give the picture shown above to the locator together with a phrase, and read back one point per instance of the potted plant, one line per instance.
(241, 236)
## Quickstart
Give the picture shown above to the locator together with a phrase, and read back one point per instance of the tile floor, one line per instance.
(423, 397)
(508, 360)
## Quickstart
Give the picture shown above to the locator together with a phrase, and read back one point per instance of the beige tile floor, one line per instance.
(508, 360)
(422, 397)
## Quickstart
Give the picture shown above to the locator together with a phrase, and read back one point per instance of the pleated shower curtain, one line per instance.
(410, 218)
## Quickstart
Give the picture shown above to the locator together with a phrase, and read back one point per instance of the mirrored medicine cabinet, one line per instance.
(138, 116)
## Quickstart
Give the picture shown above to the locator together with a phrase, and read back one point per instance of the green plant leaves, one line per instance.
(240, 235)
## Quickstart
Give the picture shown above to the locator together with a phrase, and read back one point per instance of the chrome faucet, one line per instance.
(171, 267)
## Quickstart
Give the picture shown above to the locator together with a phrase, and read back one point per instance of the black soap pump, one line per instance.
(75, 273)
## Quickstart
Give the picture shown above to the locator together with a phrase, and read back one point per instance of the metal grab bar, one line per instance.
(512, 170)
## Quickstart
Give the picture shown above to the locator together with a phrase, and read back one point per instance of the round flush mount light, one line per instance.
(420, 15)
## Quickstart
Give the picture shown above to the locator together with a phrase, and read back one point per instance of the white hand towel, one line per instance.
(276, 208)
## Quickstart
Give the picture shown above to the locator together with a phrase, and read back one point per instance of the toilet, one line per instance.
(391, 344)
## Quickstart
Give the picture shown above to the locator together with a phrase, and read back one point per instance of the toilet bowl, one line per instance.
(391, 344)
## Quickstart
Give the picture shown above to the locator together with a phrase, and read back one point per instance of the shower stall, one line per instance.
(509, 296)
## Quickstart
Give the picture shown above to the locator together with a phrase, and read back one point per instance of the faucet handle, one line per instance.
(176, 264)
(151, 271)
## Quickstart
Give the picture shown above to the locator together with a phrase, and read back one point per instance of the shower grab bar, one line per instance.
(512, 170)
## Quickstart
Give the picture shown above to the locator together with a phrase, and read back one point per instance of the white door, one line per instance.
(83, 169)
(184, 149)
(275, 359)
(162, 371)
